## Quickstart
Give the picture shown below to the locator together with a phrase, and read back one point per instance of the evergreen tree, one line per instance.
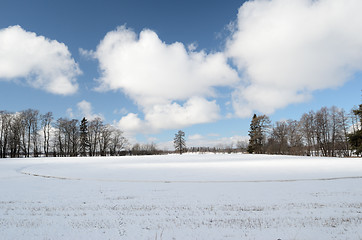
(252, 134)
(355, 138)
(258, 128)
(179, 142)
(84, 140)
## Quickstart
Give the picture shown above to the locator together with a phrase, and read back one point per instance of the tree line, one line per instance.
(29, 133)
(327, 132)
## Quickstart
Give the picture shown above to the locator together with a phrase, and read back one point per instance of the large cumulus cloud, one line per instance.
(171, 85)
(286, 49)
(282, 52)
(43, 63)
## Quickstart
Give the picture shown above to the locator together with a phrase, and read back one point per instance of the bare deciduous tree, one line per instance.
(46, 121)
(118, 142)
(104, 139)
(94, 130)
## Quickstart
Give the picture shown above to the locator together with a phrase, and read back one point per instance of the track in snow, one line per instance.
(189, 181)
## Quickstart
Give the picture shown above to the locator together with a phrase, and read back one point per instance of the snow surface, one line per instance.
(192, 196)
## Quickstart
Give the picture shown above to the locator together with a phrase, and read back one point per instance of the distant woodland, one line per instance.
(327, 132)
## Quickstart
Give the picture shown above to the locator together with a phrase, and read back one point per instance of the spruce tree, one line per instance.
(252, 147)
(258, 128)
(355, 139)
(84, 140)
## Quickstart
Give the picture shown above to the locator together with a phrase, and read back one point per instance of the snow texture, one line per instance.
(199, 196)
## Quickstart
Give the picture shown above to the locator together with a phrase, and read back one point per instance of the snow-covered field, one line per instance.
(209, 196)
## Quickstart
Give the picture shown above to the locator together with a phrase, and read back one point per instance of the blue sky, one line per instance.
(120, 59)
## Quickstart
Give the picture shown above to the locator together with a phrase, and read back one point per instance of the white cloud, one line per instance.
(287, 49)
(198, 140)
(121, 111)
(156, 76)
(70, 113)
(44, 64)
(168, 116)
(131, 123)
(152, 139)
(192, 47)
(195, 137)
(85, 110)
(196, 110)
(209, 140)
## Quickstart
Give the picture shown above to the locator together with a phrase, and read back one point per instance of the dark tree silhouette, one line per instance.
(84, 140)
(258, 127)
(355, 138)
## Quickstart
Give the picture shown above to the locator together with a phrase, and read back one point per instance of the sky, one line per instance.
(154, 67)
